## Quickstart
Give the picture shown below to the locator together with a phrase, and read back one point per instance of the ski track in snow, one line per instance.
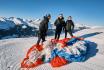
(13, 51)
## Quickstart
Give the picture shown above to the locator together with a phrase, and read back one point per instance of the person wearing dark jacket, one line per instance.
(59, 23)
(43, 27)
(69, 26)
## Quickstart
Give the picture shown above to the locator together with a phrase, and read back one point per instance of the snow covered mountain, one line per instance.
(15, 27)
(19, 27)
(6, 24)
(17, 21)
(11, 21)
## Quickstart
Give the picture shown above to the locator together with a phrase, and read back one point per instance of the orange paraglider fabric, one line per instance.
(58, 61)
(26, 63)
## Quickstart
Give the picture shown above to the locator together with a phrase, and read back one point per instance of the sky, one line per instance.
(88, 12)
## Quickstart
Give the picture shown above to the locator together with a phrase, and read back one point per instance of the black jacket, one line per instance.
(43, 27)
(69, 25)
(59, 23)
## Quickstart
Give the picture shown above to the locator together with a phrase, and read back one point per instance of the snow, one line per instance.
(7, 23)
(2, 18)
(79, 25)
(12, 52)
(35, 23)
(24, 26)
(97, 27)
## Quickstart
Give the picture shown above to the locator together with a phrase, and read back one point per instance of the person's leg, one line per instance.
(39, 39)
(43, 38)
(65, 33)
(56, 34)
(59, 32)
(70, 32)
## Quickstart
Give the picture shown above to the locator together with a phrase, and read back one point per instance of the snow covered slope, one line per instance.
(12, 52)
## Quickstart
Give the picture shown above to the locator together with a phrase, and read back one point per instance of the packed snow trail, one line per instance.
(12, 52)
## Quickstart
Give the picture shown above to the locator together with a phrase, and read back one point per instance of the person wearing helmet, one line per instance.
(69, 26)
(59, 25)
(43, 27)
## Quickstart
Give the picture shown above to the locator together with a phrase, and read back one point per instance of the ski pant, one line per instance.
(57, 33)
(64, 28)
(41, 36)
(68, 31)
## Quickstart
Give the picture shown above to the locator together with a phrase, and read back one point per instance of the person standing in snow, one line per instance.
(43, 28)
(69, 26)
(59, 23)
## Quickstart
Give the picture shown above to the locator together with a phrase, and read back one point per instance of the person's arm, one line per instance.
(46, 28)
(66, 24)
(73, 25)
